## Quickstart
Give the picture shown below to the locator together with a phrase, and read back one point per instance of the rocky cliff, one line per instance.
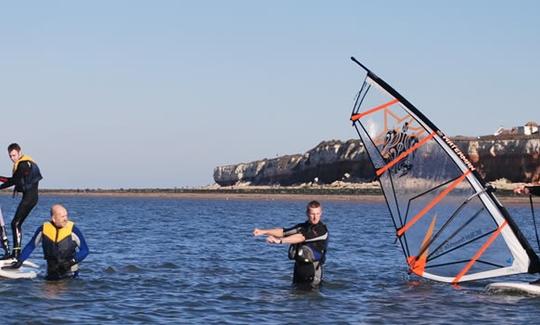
(515, 158)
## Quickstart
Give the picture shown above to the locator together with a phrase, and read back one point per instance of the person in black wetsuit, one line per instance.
(64, 246)
(26, 176)
(528, 189)
(308, 240)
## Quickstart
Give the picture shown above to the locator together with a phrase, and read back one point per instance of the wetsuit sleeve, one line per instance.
(29, 248)
(292, 230)
(315, 233)
(22, 170)
(534, 190)
(9, 182)
(83, 247)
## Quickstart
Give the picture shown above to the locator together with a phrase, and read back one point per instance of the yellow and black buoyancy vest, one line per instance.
(26, 181)
(58, 244)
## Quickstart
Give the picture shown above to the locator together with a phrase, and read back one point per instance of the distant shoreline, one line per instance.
(265, 194)
(247, 193)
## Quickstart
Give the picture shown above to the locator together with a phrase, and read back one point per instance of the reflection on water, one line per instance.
(53, 289)
(182, 261)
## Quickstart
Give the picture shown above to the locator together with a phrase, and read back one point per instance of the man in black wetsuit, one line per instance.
(25, 178)
(308, 242)
(528, 189)
(64, 246)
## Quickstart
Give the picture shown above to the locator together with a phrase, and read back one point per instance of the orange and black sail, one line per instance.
(450, 226)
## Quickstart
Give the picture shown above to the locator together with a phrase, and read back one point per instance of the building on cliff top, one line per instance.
(529, 128)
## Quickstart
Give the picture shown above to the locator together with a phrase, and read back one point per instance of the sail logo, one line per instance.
(458, 152)
(466, 238)
(396, 143)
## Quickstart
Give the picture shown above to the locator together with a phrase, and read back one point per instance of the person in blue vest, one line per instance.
(64, 246)
(26, 176)
(308, 243)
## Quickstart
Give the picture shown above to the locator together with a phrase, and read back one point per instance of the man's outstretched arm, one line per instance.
(83, 247)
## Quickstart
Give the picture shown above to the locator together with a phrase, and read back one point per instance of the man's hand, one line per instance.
(273, 240)
(14, 266)
(64, 267)
(521, 190)
(257, 232)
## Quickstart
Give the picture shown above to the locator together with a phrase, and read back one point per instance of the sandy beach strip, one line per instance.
(224, 195)
(280, 194)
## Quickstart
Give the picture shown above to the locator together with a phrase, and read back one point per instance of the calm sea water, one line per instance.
(192, 261)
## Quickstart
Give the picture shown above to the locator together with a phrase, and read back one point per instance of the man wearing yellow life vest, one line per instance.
(25, 178)
(64, 246)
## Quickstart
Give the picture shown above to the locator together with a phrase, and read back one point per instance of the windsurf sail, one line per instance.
(449, 224)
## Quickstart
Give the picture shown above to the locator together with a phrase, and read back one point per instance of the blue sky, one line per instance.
(116, 94)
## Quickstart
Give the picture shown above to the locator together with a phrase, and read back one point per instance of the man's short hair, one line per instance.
(13, 146)
(313, 205)
(54, 206)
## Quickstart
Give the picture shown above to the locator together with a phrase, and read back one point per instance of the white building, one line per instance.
(529, 128)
